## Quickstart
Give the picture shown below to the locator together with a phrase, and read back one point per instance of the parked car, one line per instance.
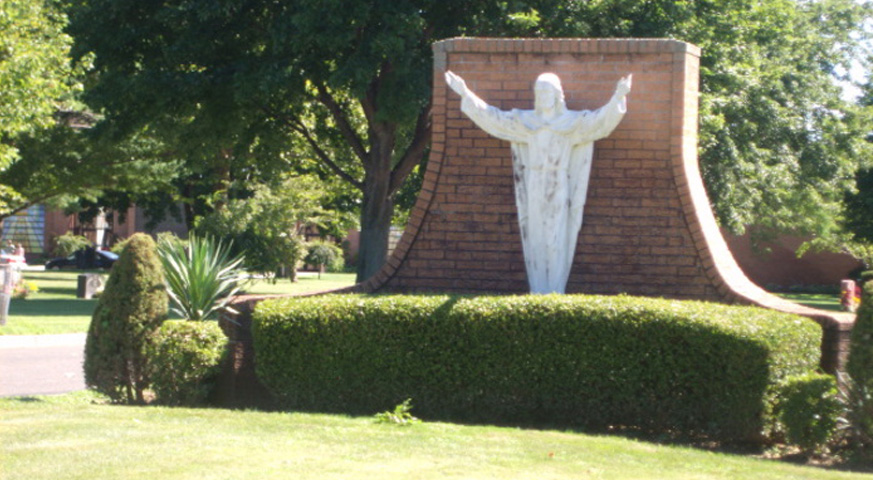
(84, 259)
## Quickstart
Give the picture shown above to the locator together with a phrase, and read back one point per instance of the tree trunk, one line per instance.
(377, 210)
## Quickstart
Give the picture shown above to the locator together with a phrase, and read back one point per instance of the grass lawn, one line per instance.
(306, 282)
(823, 301)
(55, 308)
(69, 437)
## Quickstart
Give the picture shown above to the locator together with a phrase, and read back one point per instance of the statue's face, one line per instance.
(545, 96)
(547, 92)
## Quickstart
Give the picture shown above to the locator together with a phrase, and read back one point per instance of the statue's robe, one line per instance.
(551, 161)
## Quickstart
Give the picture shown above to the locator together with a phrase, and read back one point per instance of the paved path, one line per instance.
(41, 364)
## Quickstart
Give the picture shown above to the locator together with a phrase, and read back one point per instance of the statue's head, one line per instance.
(548, 93)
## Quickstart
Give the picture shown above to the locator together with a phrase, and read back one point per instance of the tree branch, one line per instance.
(298, 127)
(342, 121)
(413, 154)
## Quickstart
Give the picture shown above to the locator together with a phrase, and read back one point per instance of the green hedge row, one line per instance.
(568, 360)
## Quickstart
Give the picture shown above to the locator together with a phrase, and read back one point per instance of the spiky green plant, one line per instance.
(202, 277)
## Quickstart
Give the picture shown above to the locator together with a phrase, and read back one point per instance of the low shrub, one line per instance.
(184, 361)
(572, 360)
(808, 410)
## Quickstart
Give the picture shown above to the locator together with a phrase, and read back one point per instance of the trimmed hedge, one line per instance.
(572, 360)
(185, 360)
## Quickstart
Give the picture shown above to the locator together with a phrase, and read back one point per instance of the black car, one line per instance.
(84, 259)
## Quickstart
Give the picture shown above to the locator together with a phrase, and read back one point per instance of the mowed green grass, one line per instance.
(823, 301)
(55, 308)
(69, 437)
(52, 309)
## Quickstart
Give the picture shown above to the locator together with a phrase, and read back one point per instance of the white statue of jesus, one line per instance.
(551, 158)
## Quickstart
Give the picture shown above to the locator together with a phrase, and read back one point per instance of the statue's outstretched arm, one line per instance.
(624, 86)
(496, 122)
(456, 83)
(597, 124)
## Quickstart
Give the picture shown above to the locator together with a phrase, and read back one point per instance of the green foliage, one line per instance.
(402, 415)
(342, 89)
(34, 68)
(119, 246)
(859, 204)
(265, 227)
(132, 307)
(809, 409)
(201, 277)
(858, 386)
(69, 166)
(184, 360)
(562, 360)
(69, 243)
(324, 254)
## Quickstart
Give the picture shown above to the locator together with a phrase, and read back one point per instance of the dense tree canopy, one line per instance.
(35, 78)
(245, 89)
(34, 68)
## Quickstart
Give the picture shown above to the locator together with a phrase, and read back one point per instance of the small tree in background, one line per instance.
(266, 226)
(69, 243)
(128, 313)
(324, 255)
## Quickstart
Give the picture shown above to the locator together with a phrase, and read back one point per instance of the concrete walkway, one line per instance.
(41, 364)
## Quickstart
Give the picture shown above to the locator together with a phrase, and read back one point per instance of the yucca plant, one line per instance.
(202, 277)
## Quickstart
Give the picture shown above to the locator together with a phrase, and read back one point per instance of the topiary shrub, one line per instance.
(569, 360)
(808, 410)
(859, 368)
(130, 310)
(184, 361)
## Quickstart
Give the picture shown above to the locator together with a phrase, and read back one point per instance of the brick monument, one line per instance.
(648, 227)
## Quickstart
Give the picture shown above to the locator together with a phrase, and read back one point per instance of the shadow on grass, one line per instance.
(52, 307)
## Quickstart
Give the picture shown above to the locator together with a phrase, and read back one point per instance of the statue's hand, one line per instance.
(624, 86)
(456, 83)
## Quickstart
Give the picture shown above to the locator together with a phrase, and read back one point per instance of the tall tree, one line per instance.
(350, 80)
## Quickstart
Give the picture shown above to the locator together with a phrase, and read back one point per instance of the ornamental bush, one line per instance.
(808, 410)
(130, 310)
(185, 360)
(570, 360)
